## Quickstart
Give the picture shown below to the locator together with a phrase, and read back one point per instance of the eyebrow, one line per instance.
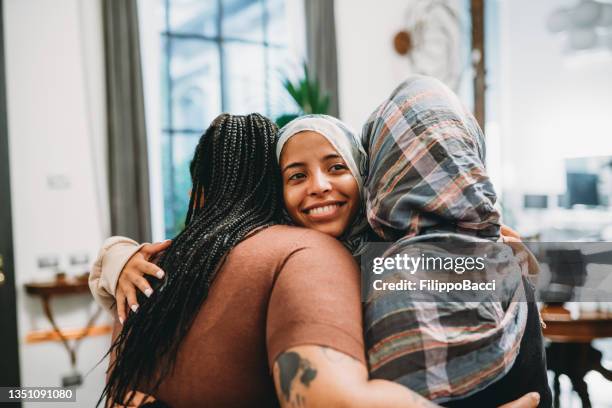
(299, 164)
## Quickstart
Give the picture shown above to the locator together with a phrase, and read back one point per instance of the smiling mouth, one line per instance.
(324, 210)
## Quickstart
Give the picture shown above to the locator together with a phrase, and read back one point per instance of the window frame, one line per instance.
(168, 37)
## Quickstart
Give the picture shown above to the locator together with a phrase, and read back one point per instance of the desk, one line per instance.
(571, 352)
(61, 287)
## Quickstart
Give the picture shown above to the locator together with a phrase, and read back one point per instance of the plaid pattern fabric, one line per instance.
(427, 165)
(427, 181)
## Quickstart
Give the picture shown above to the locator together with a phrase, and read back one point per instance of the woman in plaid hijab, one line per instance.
(427, 184)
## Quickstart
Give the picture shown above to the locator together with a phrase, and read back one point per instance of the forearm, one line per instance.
(382, 393)
(314, 376)
(105, 271)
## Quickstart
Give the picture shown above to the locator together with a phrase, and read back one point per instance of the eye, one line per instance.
(296, 176)
(338, 167)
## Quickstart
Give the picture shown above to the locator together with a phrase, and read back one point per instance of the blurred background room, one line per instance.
(103, 101)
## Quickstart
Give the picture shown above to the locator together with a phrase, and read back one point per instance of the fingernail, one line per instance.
(121, 320)
(134, 308)
(148, 292)
(536, 397)
(159, 274)
(168, 240)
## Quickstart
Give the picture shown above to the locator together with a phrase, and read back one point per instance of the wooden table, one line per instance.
(571, 352)
(61, 287)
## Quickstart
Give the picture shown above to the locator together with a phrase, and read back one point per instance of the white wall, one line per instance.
(55, 93)
(550, 105)
(547, 106)
(553, 105)
(369, 68)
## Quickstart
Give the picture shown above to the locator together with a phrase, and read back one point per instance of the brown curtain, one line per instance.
(127, 139)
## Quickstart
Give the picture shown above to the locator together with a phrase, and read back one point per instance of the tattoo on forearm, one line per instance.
(290, 364)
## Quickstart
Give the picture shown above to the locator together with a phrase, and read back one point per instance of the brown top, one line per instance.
(282, 287)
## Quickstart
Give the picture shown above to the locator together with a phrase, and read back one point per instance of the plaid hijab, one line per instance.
(427, 168)
(349, 147)
(427, 183)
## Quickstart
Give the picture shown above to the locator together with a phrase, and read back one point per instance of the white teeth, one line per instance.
(323, 210)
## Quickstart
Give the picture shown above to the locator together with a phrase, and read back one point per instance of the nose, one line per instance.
(319, 184)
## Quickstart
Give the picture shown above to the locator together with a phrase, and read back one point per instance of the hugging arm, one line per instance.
(119, 271)
(527, 261)
(105, 271)
(315, 335)
(317, 376)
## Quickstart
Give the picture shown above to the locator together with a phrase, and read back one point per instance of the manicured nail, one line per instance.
(121, 320)
(134, 308)
(159, 274)
(148, 292)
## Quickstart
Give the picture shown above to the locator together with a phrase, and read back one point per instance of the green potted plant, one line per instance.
(307, 95)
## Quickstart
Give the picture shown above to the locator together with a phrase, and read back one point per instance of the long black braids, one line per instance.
(234, 168)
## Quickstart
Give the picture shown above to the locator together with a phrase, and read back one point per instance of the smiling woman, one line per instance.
(323, 166)
(318, 188)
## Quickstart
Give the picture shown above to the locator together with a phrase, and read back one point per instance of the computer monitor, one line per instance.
(535, 201)
(582, 189)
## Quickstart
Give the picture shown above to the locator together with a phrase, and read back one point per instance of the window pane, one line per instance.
(195, 82)
(277, 19)
(178, 150)
(243, 19)
(244, 76)
(194, 17)
(279, 66)
(164, 85)
(159, 13)
(167, 177)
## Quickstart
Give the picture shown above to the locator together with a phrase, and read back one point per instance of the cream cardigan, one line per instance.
(105, 271)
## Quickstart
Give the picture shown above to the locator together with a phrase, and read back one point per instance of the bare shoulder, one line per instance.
(291, 237)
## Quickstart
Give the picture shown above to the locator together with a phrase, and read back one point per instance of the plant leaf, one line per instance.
(286, 118)
(314, 96)
(324, 105)
(307, 94)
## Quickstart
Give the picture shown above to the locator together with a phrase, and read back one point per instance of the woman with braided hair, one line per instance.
(242, 197)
